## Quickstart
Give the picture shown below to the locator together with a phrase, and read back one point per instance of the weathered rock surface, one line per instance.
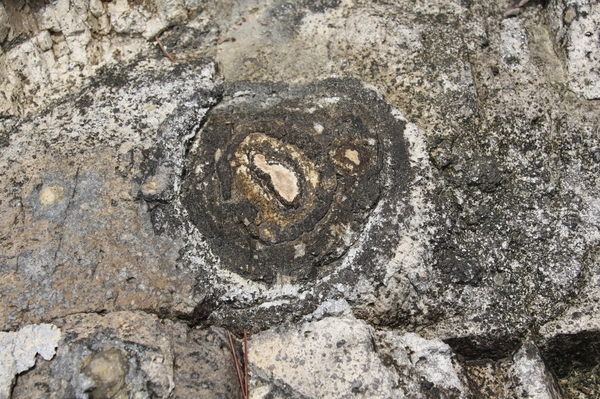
(130, 354)
(339, 357)
(396, 199)
(19, 349)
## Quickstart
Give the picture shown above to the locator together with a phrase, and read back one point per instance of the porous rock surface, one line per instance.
(394, 199)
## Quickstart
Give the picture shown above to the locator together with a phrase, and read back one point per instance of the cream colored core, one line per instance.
(51, 194)
(352, 155)
(284, 180)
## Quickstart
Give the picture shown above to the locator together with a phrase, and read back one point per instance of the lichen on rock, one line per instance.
(408, 188)
(239, 200)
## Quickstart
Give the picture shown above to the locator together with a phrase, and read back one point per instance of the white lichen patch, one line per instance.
(410, 255)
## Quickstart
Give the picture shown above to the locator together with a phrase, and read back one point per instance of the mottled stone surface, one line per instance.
(76, 234)
(18, 352)
(132, 354)
(419, 179)
(533, 379)
(337, 356)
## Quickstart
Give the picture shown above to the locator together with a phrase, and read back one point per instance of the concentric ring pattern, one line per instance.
(286, 190)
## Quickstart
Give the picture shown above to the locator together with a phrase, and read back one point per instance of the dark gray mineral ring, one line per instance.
(282, 181)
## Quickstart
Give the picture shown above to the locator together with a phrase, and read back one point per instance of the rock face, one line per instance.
(131, 354)
(345, 357)
(396, 199)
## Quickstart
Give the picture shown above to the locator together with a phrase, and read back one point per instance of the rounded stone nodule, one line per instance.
(51, 194)
(107, 368)
(277, 186)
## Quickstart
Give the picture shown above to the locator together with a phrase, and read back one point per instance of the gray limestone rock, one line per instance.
(533, 379)
(575, 25)
(417, 180)
(327, 358)
(90, 241)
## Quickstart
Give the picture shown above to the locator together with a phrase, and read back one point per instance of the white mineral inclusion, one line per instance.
(284, 180)
(299, 250)
(352, 155)
(51, 194)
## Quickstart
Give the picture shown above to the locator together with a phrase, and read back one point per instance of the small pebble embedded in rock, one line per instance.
(107, 368)
(51, 194)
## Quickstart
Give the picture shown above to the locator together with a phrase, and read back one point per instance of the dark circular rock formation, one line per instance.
(285, 188)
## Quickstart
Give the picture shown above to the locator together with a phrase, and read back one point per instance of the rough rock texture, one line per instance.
(130, 354)
(341, 357)
(19, 349)
(417, 182)
(110, 257)
(533, 379)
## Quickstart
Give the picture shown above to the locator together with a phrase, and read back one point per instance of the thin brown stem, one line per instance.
(246, 371)
(237, 366)
(164, 49)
